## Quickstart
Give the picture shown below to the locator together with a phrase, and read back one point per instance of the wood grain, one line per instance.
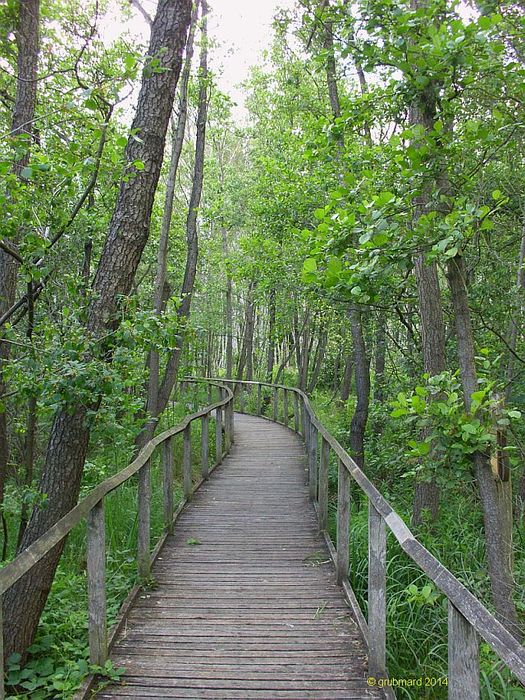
(246, 603)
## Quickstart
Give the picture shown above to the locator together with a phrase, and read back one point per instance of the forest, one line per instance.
(358, 233)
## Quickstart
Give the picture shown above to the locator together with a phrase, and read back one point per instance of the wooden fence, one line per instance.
(468, 619)
(91, 508)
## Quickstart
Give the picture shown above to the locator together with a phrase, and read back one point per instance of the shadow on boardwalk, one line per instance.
(246, 603)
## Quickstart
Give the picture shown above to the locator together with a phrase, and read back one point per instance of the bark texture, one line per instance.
(127, 236)
(28, 43)
(498, 543)
(192, 239)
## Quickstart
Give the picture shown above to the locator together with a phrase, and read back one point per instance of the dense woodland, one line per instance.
(360, 235)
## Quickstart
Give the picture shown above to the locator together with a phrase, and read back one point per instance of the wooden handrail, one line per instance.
(467, 615)
(92, 508)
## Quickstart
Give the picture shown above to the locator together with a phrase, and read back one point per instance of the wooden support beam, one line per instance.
(2, 670)
(323, 484)
(463, 657)
(259, 399)
(343, 522)
(312, 462)
(186, 462)
(144, 517)
(275, 404)
(376, 592)
(218, 435)
(167, 472)
(296, 418)
(205, 445)
(285, 406)
(96, 585)
(241, 398)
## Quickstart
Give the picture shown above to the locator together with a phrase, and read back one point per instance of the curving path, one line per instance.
(246, 605)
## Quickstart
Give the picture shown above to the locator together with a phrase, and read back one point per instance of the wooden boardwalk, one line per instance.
(246, 605)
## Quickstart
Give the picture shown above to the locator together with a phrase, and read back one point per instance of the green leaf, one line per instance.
(310, 265)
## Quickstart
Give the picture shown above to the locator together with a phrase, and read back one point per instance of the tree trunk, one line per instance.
(362, 364)
(192, 239)
(271, 336)
(318, 360)
(127, 236)
(229, 309)
(423, 113)
(498, 535)
(28, 43)
(380, 352)
(159, 298)
(346, 384)
(362, 388)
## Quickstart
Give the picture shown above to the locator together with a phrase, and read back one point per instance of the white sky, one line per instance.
(241, 30)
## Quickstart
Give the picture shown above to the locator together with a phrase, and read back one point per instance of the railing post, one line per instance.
(259, 399)
(275, 404)
(343, 521)
(304, 421)
(285, 406)
(241, 398)
(323, 484)
(296, 412)
(218, 435)
(96, 585)
(167, 468)
(143, 535)
(312, 461)
(230, 413)
(376, 592)
(205, 448)
(463, 657)
(186, 461)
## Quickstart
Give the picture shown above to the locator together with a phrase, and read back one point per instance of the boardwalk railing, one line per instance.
(91, 508)
(467, 617)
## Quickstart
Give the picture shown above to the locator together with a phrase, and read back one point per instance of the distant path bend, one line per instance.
(247, 604)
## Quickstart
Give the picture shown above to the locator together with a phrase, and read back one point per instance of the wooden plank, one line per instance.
(144, 517)
(376, 592)
(96, 586)
(2, 672)
(254, 607)
(463, 657)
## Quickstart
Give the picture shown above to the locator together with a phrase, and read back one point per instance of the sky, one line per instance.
(241, 30)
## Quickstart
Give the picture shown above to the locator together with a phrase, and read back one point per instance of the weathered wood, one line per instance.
(285, 406)
(275, 403)
(376, 592)
(259, 399)
(186, 462)
(296, 417)
(25, 561)
(323, 484)
(246, 599)
(312, 462)
(343, 522)
(144, 517)
(167, 482)
(96, 585)
(241, 398)
(218, 436)
(463, 657)
(205, 446)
